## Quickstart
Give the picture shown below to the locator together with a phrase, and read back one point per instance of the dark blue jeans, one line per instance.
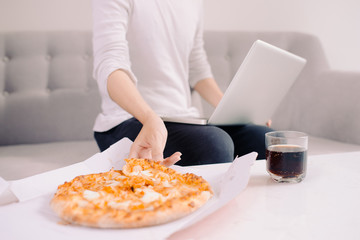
(199, 144)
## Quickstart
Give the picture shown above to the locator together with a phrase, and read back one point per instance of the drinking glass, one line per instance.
(286, 155)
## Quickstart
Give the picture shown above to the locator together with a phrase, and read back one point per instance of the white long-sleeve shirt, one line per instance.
(159, 43)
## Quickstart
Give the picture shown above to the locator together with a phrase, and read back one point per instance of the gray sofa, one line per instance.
(49, 99)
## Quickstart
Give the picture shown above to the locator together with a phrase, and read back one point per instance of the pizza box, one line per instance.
(25, 202)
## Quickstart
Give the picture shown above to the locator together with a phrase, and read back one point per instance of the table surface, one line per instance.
(326, 205)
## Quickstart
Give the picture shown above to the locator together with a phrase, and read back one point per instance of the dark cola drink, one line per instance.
(286, 163)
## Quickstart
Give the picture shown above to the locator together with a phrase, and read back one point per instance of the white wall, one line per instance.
(335, 22)
(18, 15)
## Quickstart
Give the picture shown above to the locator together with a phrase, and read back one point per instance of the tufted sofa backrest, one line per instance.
(47, 92)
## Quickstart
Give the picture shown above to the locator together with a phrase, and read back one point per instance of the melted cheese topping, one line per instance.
(142, 185)
(90, 195)
(150, 195)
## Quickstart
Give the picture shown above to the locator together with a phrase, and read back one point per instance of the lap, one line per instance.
(248, 138)
(129, 128)
(199, 144)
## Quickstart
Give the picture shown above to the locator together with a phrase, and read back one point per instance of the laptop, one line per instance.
(260, 84)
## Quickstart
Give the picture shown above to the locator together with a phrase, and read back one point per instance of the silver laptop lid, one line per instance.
(260, 84)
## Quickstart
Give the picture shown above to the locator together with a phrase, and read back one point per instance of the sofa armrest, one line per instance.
(333, 110)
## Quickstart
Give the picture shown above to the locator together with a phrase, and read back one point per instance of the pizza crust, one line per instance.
(122, 219)
(189, 193)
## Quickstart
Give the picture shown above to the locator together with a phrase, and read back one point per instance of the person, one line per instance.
(148, 55)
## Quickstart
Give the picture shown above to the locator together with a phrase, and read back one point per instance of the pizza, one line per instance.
(143, 193)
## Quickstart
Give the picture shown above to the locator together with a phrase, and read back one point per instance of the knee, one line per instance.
(219, 146)
(255, 138)
(201, 145)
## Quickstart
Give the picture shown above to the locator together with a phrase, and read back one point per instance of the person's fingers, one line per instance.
(133, 151)
(172, 159)
(268, 123)
(157, 149)
(145, 154)
(157, 155)
(140, 152)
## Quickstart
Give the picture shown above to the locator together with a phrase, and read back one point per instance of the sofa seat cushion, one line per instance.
(20, 161)
(319, 146)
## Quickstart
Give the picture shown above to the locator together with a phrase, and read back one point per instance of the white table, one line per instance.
(326, 205)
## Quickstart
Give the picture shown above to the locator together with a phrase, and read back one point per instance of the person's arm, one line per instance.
(124, 92)
(209, 90)
(151, 140)
(200, 74)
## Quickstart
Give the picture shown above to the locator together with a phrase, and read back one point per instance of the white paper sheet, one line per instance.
(33, 217)
(3, 185)
(44, 183)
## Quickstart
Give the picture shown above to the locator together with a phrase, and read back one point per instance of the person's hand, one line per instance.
(150, 142)
(268, 123)
(167, 162)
